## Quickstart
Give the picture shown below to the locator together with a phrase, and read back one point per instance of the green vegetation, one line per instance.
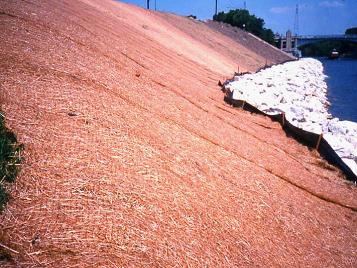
(9, 160)
(323, 49)
(4, 197)
(351, 30)
(243, 19)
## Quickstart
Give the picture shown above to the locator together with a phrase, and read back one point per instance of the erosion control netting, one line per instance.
(133, 160)
(308, 138)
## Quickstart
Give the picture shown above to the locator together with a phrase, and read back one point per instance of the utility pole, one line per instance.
(296, 23)
(245, 5)
(296, 32)
(148, 4)
(216, 7)
(155, 5)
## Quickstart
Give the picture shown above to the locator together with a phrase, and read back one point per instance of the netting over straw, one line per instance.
(132, 159)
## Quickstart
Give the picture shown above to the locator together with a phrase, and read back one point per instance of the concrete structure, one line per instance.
(291, 43)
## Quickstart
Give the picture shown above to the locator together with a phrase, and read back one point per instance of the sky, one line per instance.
(316, 17)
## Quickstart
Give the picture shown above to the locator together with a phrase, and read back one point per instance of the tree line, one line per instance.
(351, 30)
(243, 19)
(324, 48)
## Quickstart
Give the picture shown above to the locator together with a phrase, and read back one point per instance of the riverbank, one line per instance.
(132, 159)
(299, 90)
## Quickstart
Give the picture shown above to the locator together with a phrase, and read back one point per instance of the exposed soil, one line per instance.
(132, 159)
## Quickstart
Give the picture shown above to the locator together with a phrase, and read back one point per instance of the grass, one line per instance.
(9, 160)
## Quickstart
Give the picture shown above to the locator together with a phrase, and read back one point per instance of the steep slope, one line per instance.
(265, 50)
(132, 158)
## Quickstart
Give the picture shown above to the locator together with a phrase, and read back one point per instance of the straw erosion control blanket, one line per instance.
(132, 159)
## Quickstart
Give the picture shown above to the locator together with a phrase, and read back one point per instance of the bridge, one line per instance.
(310, 39)
(290, 43)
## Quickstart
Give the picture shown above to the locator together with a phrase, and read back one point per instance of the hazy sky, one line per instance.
(315, 16)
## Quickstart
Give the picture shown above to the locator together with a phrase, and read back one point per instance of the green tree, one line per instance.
(239, 18)
(221, 16)
(351, 30)
(268, 36)
(346, 49)
(243, 19)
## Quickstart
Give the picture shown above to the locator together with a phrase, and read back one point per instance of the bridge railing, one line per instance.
(331, 36)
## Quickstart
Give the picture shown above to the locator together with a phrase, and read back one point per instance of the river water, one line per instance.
(342, 87)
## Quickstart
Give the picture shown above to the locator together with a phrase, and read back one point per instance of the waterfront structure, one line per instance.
(310, 39)
(291, 43)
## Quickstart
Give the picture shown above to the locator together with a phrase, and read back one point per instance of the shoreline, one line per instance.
(298, 89)
(341, 87)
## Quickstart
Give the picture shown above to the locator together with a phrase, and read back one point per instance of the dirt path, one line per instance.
(132, 158)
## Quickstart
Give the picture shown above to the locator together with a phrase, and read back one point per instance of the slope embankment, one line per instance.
(132, 159)
(272, 54)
